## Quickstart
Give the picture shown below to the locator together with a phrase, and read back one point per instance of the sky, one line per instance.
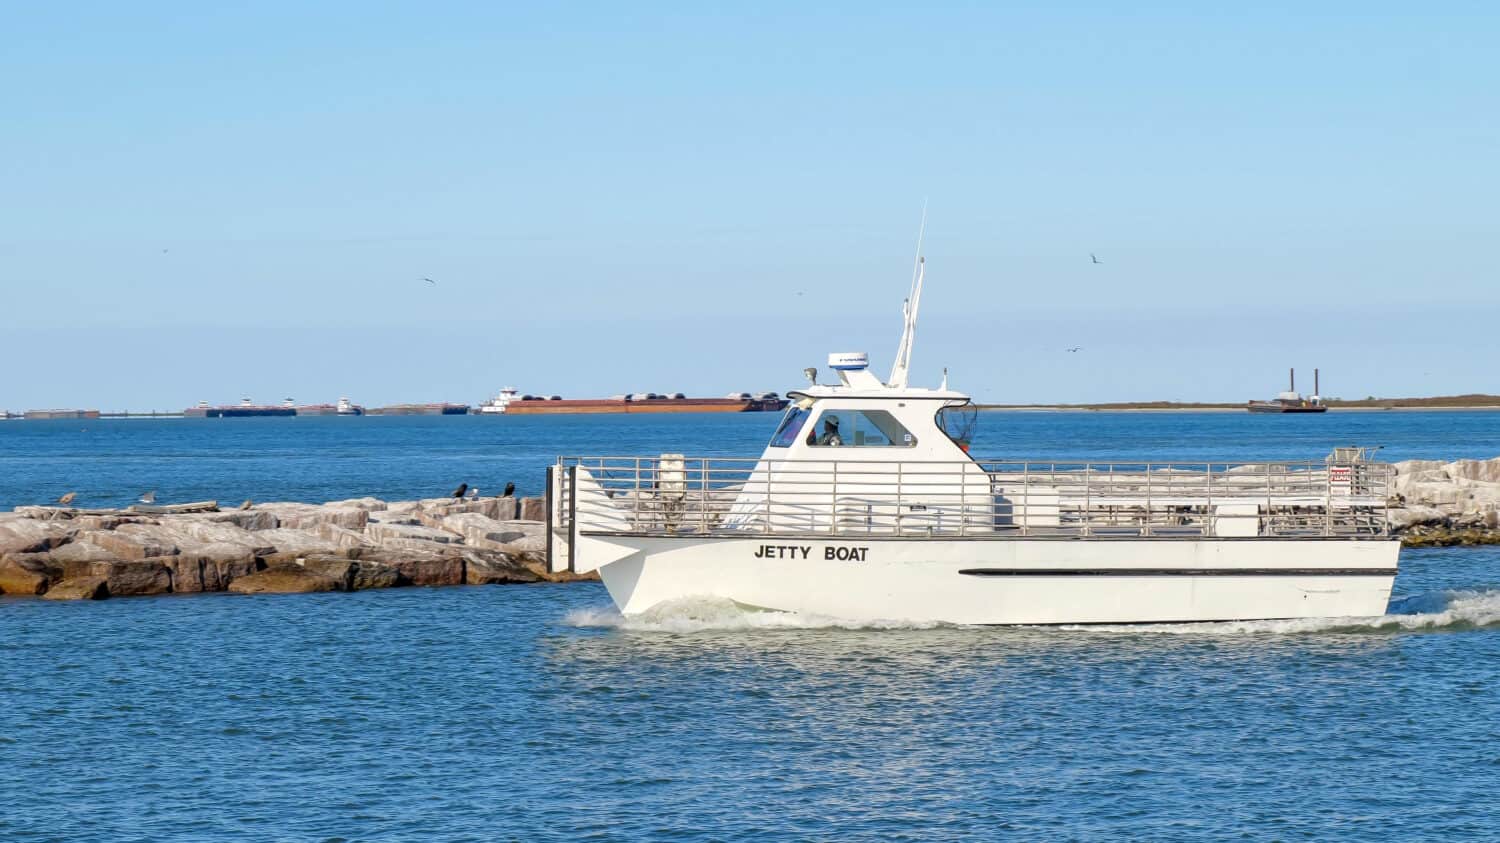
(209, 201)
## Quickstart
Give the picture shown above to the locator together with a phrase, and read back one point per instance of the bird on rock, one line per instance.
(68, 498)
(510, 490)
(148, 497)
(473, 494)
(462, 489)
(247, 504)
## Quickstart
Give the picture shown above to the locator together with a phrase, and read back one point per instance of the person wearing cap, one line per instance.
(830, 434)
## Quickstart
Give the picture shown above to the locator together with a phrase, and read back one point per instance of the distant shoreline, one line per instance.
(1441, 403)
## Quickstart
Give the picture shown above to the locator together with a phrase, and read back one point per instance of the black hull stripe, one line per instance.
(1178, 572)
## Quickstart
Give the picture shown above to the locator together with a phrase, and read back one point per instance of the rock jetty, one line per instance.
(87, 554)
(1437, 503)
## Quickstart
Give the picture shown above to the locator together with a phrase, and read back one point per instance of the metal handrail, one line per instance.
(994, 498)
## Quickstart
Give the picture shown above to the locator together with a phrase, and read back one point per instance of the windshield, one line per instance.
(791, 425)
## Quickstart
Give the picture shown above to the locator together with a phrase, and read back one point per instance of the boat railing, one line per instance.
(675, 495)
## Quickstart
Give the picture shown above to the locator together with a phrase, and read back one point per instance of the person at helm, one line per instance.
(830, 434)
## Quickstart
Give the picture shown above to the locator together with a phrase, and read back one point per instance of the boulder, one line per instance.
(205, 531)
(367, 504)
(480, 531)
(369, 573)
(383, 533)
(248, 519)
(533, 509)
(210, 567)
(350, 518)
(1485, 471)
(137, 577)
(1403, 518)
(294, 544)
(338, 568)
(27, 577)
(284, 579)
(343, 538)
(123, 545)
(80, 588)
(23, 535)
(447, 570)
(493, 567)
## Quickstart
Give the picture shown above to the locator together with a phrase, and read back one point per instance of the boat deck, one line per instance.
(672, 495)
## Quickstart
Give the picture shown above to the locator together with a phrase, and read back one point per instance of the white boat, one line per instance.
(500, 402)
(867, 505)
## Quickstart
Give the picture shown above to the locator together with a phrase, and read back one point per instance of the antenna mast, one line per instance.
(901, 368)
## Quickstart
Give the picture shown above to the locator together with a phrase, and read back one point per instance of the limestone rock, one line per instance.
(383, 532)
(1402, 518)
(22, 576)
(292, 544)
(284, 579)
(480, 531)
(447, 570)
(80, 588)
(344, 539)
(120, 544)
(491, 567)
(338, 568)
(350, 518)
(24, 535)
(369, 573)
(137, 577)
(533, 509)
(367, 504)
(249, 519)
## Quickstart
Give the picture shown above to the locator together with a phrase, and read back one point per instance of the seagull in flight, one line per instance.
(1095, 258)
(429, 280)
(148, 497)
(1075, 349)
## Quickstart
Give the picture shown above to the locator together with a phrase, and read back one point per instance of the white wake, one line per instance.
(1457, 610)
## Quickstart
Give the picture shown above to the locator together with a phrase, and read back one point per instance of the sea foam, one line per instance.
(1450, 610)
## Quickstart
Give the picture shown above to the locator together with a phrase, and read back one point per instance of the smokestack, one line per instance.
(1315, 383)
(1292, 386)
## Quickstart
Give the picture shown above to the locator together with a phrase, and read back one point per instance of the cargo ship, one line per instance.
(345, 407)
(439, 409)
(245, 409)
(58, 414)
(639, 402)
(1291, 401)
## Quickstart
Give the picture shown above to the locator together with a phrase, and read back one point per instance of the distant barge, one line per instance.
(1291, 401)
(248, 409)
(644, 402)
(441, 409)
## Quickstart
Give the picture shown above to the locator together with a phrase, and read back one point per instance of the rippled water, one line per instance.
(534, 712)
(537, 713)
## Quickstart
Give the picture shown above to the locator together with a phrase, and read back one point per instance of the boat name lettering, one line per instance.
(845, 554)
(782, 551)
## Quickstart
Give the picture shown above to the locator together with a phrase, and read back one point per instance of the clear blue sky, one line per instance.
(206, 201)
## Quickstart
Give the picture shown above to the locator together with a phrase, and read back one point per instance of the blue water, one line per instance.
(110, 462)
(536, 713)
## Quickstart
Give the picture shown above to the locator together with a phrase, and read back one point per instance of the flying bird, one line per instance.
(1094, 258)
(148, 497)
(510, 490)
(1075, 348)
(429, 280)
(462, 488)
(68, 498)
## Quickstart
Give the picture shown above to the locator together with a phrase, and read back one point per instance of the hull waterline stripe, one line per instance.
(1178, 572)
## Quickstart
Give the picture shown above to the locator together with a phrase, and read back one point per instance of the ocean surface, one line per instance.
(537, 713)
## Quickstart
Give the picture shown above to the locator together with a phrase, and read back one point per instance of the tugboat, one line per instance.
(1291, 401)
(499, 402)
(867, 505)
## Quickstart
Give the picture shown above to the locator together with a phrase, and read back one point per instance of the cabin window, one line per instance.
(860, 429)
(791, 425)
(959, 423)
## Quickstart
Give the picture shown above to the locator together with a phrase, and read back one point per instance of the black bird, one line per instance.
(1094, 259)
(1075, 348)
(510, 490)
(429, 280)
(461, 490)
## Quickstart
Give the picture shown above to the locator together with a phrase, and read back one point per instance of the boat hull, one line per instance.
(1007, 581)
